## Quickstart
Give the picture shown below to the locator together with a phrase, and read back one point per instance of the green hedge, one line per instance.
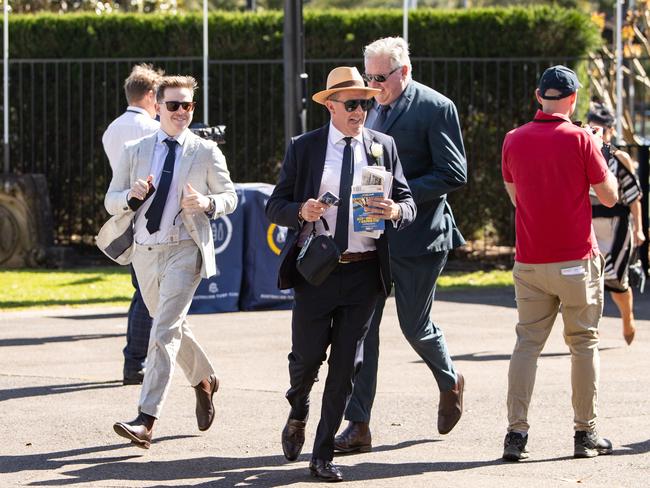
(58, 130)
(490, 32)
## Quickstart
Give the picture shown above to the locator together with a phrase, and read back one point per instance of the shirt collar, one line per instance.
(336, 136)
(546, 116)
(180, 138)
(140, 110)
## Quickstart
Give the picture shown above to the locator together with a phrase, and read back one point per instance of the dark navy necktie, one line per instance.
(345, 188)
(155, 211)
(382, 115)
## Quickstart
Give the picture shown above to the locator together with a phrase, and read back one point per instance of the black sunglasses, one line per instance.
(378, 78)
(351, 105)
(173, 106)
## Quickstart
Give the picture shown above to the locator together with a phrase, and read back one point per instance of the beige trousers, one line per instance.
(168, 276)
(540, 290)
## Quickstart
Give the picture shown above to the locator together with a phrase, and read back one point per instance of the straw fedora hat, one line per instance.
(344, 78)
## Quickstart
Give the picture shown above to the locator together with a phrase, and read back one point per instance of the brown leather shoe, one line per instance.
(293, 437)
(355, 438)
(450, 408)
(138, 431)
(204, 404)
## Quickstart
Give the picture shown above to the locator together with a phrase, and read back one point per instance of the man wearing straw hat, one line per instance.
(337, 312)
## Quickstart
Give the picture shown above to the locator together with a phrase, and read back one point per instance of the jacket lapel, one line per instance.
(189, 150)
(145, 157)
(317, 162)
(367, 142)
(403, 103)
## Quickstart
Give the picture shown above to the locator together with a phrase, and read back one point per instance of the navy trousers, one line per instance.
(415, 284)
(137, 332)
(336, 314)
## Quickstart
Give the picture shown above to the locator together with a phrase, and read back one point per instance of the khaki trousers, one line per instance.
(540, 290)
(168, 276)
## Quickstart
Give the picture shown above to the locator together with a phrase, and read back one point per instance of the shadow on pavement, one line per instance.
(93, 316)
(55, 460)
(33, 391)
(37, 341)
(500, 297)
(505, 297)
(267, 471)
(485, 356)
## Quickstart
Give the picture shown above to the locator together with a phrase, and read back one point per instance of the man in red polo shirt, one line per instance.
(548, 166)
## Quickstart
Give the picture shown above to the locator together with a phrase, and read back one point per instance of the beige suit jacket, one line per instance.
(202, 164)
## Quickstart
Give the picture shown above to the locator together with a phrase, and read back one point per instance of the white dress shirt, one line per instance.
(131, 125)
(171, 224)
(331, 181)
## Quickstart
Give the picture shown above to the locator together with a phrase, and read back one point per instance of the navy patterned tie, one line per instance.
(345, 188)
(155, 211)
(382, 115)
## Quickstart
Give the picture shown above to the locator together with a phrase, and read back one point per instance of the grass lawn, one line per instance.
(25, 289)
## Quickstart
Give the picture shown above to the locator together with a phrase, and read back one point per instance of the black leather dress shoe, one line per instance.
(204, 404)
(293, 437)
(133, 377)
(138, 431)
(355, 438)
(325, 470)
(450, 408)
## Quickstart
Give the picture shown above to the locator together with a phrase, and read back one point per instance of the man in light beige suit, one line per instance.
(175, 182)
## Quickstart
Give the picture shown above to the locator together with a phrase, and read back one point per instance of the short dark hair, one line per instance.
(143, 77)
(177, 81)
(601, 114)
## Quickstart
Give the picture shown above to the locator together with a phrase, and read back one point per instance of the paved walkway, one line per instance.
(60, 394)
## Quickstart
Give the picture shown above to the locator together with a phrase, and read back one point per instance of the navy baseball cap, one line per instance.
(559, 78)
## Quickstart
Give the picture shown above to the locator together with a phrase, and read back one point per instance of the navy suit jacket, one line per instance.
(425, 126)
(300, 179)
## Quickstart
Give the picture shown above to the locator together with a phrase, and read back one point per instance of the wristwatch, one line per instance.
(301, 219)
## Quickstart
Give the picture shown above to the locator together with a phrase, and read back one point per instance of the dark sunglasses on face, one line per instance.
(351, 105)
(378, 78)
(173, 106)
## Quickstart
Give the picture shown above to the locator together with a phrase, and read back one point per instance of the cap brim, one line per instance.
(322, 96)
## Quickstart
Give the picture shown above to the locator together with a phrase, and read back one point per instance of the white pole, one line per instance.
(405, 21)
(205, 62)
(5, 81)
(619, 71)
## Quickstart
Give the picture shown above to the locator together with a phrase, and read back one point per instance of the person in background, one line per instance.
(138, 120)
(619, 229)
(548, 166)
(426, 129)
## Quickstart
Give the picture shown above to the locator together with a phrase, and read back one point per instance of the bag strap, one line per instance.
(313, 226)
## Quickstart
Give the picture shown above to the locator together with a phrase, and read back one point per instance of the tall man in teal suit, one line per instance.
(426, 130)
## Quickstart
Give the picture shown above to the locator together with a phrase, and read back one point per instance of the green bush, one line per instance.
(489, 32)
(57, 129)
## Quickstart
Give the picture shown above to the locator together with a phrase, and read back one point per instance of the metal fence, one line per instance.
(59, 110)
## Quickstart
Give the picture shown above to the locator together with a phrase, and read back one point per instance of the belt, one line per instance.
(353, 257)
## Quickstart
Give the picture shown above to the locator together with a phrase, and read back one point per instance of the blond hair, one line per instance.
(175, 82)
(143, 78)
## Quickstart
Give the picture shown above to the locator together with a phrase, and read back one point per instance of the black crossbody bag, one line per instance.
(318, 257)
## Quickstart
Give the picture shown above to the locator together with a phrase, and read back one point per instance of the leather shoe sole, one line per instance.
(123, 430)
(350, 449)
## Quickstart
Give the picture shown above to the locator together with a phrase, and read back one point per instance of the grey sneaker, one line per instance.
(590, 444)
(514, 447)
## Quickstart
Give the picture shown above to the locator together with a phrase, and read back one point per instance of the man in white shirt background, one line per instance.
(137, 121)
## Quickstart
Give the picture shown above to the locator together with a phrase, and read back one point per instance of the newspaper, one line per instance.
(375, 182)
